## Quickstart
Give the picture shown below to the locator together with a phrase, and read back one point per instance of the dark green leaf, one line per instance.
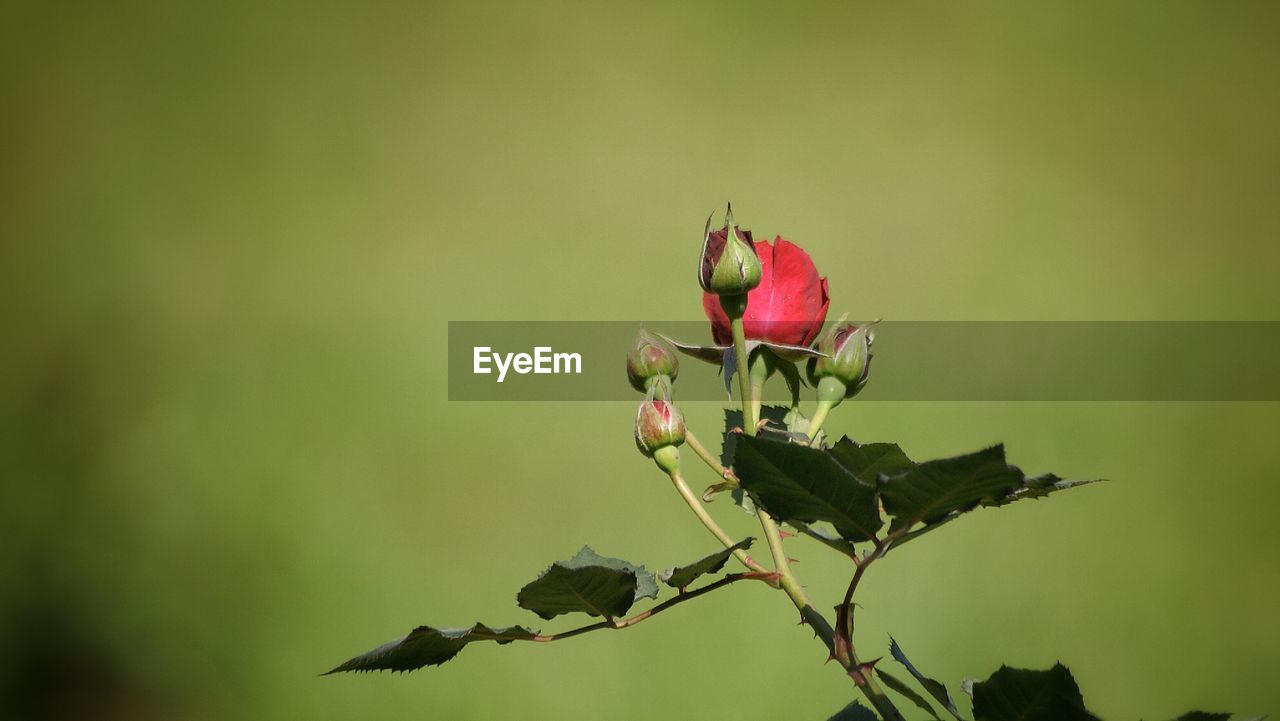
(930, 491)
(1013, 694)
(682, 576)
(938, 491)
(806, 484)
(898, 685)
(775, 415)
(871, 460)
(427, 646)
(588, 583)
(935, 688)
(1037, 487)
(854, 712)
(1203, 716)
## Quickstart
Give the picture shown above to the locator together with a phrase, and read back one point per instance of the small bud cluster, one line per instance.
(659, 428)
(788, 305)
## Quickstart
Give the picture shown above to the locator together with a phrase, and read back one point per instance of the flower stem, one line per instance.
(742, 369)
(712, 462)
(787, 581)
(701, 512)
(815, 423)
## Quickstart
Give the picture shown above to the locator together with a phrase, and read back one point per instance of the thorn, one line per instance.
(785, 534)
(792, 560)
(830, 658)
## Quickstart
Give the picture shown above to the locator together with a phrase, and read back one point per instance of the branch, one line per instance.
(616, 624)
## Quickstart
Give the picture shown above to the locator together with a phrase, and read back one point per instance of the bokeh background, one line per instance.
(233, 234)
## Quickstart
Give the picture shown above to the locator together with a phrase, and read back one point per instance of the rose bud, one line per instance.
(650, 362)
(789, 305)
(659, 430)
(729, 265)
(845, 372)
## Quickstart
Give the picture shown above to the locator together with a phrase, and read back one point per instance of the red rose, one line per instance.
(788, 307)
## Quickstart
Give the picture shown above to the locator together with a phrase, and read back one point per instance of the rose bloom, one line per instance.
(787, 308)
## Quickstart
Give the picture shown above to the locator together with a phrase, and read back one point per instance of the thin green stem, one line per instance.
(815, 423)
(757, 402)
(787, 580)
(701, 512)
(742, 369)
(712, 462)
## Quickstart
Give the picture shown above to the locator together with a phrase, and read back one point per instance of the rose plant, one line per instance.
(767, 305)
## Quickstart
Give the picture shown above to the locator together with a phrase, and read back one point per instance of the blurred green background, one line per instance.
(233, 235)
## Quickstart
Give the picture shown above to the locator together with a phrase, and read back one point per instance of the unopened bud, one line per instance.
(729, 265)
(845, 371)
(650, 362)
(659, 424)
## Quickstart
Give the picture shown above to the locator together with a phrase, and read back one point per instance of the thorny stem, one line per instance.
(701, 512)
(862, 677)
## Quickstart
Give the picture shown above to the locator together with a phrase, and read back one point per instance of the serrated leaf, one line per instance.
(901, 687)
(869, 461)
(429, 646)
(1037, 487)
(796, 482)
(587, 583)
(935, 688)
(854, 712)
(775, 415)
(681, 576)
(930, 491)
(1013, 694)
(938, 491)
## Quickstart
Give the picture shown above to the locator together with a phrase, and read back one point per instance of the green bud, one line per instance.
(659, 424)
(729, 264)
(650, 363)
(849, 364)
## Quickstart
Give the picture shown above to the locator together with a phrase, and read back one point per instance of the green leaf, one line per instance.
(1203, 716)
(938, 491)
(588, 583)
(681, 576)
(935, 688)
(854, 712)
(901, 687)
(428, 646)
(1013, 694)
(775, 416)
(869, 461)
(795, 482)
